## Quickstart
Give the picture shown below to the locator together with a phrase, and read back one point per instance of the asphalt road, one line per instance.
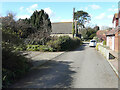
(82, 68)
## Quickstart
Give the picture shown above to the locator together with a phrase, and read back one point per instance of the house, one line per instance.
(101, 34)
(113, 36)
(61, 29)
(115, 20)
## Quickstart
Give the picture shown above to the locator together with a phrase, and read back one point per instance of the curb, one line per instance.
(114, 69)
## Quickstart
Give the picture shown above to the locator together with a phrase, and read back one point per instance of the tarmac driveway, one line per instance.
(82, 68)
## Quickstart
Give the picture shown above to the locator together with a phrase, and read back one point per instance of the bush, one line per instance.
(104, 42)
(14, 66)
(39, 48)
(97, 46)
(64, 43)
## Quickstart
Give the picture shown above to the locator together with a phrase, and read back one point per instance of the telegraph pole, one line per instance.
(73, 24)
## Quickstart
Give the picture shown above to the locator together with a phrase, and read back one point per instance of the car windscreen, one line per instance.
(93, 41)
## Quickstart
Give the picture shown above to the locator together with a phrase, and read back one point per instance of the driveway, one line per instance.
(82, 68)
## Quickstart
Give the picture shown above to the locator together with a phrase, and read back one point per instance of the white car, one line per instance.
(92, 43)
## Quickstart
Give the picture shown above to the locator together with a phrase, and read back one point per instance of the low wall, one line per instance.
(105, 52)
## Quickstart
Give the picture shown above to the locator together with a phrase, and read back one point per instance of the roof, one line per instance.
(112, 32)
(101, 34)
(62, 28)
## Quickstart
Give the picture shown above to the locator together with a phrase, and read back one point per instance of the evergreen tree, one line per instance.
(40, 20)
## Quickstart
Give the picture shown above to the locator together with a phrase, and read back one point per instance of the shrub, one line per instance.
(64, 43)
(14, 66)
(97, 46)
(33, 47)
(39, 48)
(104, 42)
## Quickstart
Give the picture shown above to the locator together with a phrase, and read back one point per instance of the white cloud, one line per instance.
(49, 12)
(21, 8)
(32, 8)
(101, 16)
(94, 6)
(113, 10)
(23, 16)
(110, 16)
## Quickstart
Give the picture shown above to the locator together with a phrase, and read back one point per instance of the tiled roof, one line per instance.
(62, 28)
(112, 32)
(101, 34)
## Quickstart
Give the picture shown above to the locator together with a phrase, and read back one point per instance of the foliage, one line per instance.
(39, 48)
(96, 38)
(88, 33)
(14, 66)
(104, 42)
(64, 43)
(40, 20)
(24, 29)
(82, 17)
(97, 46)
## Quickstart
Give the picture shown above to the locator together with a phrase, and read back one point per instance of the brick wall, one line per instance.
(117, 42)
(110, 42)
(116, 22)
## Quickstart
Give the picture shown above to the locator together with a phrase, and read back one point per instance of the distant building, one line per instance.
(101, 34)
(61, 29)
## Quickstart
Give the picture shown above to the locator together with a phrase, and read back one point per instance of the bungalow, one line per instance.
(113, 36)
(61, 29)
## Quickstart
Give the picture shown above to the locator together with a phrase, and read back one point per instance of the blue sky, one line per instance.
(101, 12)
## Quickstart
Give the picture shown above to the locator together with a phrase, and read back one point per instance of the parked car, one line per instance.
(92, 43)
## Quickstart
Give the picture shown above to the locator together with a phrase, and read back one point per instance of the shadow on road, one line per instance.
(82, 47)
(53, 74)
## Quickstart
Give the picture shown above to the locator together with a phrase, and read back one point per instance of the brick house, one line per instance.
(113, 36)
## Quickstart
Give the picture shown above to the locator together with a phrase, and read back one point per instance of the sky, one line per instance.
(101, 12)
